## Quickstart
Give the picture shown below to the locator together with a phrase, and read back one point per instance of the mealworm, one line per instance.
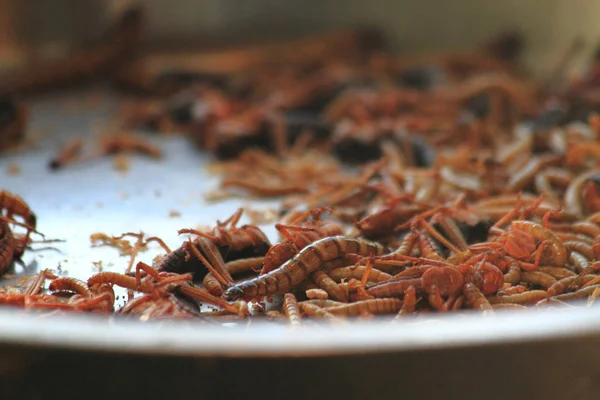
(580, 294)
(312, 310)
(290, 308)
(571, 281)
(70, 285)
(508, 306)
(557, 272)
(317, 294)
(532, 296)
(323, 281)
(393, 288)
(579, 261)
(346, 273)
(211, 283)
(580, 247)
(408, 304)
(476, 298)
(297, 269)
(538, 278)
(367, 307)
(324, 303)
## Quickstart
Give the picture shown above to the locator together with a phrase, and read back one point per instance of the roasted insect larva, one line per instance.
(70, 285)
(290, 307)
(538, 278)
(315, 311)
(532, 296)
(323, 281)
(408, 304)
(324, 303)
(367, 307)
(476, 298)
(346, 273)
(557, 272)
(394, 287)
(298, 268)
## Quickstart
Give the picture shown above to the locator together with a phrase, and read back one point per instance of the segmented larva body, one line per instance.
(367, 307)
(297, 269)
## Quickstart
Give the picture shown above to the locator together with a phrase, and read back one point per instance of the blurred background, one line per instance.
(32, 29)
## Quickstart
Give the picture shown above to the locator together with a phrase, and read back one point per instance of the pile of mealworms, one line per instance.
(409, 185)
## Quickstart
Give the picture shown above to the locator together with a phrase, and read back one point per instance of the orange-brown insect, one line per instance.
(384, 221)
(37, 301)
(7, 247)
(12, 206)
(245, 241)
(298, 237)
(149, 284)
(35, 284)
(303, 264)
(146, 307)
(527, 241)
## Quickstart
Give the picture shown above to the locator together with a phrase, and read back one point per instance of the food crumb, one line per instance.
(99, 205)
(13, 169)
(121, 162)
(157, 193)
(203, 228)
(174, 214)
(97, 265)
(216, 195)
(259, 217)
(123, 195)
